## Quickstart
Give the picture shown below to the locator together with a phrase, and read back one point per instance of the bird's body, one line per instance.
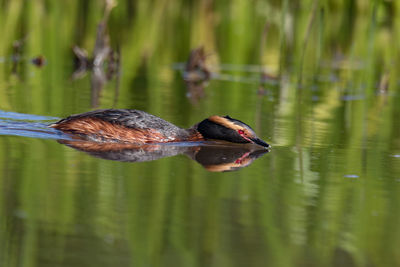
(139, 127)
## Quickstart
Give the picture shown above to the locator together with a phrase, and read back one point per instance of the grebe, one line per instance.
(139, 127)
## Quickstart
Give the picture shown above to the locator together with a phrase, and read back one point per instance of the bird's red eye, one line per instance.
(240, 132)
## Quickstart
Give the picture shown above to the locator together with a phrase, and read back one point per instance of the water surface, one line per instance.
(319, 84)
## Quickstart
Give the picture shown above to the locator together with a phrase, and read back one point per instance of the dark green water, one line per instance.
(327, 194)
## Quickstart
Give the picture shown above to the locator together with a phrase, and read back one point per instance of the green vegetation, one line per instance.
(333, 115)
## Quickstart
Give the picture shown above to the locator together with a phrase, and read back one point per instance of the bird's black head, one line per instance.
(228, 129)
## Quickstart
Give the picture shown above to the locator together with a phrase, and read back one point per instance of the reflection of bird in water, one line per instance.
(215, 157)
(139, 127)
(228, 158)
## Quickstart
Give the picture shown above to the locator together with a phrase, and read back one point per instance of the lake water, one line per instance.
(327, 193)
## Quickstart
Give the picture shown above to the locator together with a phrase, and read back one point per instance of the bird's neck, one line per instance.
(192, 134)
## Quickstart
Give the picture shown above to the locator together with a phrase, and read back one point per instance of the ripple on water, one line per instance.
(28, 125)
(354, 176)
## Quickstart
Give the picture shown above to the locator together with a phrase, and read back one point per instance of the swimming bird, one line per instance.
(139, 127)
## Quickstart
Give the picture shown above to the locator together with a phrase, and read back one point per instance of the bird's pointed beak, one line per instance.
(260, 142)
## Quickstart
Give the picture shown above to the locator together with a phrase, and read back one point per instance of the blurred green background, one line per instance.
(326, 195)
